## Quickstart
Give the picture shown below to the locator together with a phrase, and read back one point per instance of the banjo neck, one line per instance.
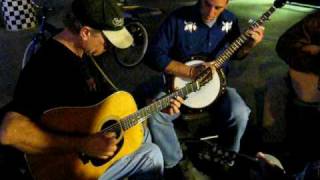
(244, 37)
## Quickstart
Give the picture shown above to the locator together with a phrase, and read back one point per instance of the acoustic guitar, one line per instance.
(116, 113)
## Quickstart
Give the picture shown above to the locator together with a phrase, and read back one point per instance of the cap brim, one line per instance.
(121, 39)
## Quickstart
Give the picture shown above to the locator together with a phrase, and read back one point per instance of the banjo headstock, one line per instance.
(279, 3)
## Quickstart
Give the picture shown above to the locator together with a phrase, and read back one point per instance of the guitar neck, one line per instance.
(156, 106)
(242, 39)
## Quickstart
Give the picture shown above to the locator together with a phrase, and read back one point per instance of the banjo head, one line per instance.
(205, 95)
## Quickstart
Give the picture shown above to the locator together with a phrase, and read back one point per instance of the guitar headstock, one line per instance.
(204, 77)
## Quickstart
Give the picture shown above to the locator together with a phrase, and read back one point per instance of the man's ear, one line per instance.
(84, 33)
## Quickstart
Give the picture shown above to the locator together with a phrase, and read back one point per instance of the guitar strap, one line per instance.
(104, 75)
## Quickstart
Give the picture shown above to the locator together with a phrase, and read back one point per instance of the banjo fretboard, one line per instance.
(244, 37)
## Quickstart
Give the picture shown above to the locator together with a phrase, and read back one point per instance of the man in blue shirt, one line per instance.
(206, 29)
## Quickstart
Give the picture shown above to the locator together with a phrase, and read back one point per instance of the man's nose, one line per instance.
(212, 11)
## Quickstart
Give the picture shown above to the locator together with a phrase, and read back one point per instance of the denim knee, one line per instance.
(145, 163)
(241, 118)
(164, 135)
(312, 171)
(239, 110)
(156, 156)
(151, 163)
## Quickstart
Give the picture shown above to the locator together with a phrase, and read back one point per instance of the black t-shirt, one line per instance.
(53, 77)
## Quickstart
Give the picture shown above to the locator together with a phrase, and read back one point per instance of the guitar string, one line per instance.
(158, 105)
(117, 126)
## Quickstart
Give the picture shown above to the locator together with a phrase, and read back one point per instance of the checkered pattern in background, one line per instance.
(18, 14)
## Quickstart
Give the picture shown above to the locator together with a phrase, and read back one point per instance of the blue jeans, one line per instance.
(311, 171)
(230, 115)
(145, 163)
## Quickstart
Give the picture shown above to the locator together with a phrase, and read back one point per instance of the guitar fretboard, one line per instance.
(243, 38)
(157, 106)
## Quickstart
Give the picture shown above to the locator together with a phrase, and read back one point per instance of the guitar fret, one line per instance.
(123, 123)
(233, 48)
(229, 54)
(223, 57)
(194, 87)
(128, 123)
(187, 90)
(146, 112)
(164, 103)
(153, 108)
(141, 114)
(238, 43)
(134, 121)
(242, 39)
(148, 109)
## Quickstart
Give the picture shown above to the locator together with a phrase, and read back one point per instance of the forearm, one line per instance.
(311, 49)
(299, 47)
(307, 60)
(179, 69)
(20, 132)
(300, 56)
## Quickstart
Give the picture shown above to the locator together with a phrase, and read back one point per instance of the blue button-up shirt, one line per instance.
(183, 34)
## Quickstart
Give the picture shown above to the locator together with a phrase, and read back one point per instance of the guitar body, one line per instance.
(305, 85)
(86, 120)
(208, 93)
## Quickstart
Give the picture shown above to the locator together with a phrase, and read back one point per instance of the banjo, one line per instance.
(214, 88)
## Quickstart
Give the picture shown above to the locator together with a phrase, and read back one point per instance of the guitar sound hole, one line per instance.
(112, 126)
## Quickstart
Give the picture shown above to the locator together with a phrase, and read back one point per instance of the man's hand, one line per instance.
(195, 71)
(99, 145)
(175, 104)
(256, 34)
(271, 167)
(311, 49)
